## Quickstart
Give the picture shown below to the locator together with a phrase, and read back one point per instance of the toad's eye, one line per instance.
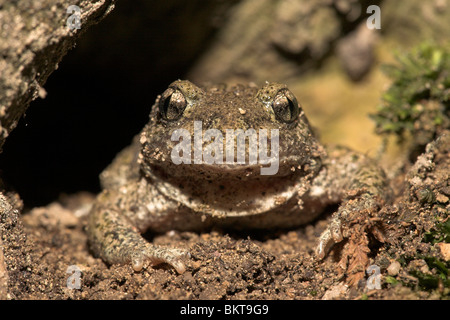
(172, 104)
(285, 106)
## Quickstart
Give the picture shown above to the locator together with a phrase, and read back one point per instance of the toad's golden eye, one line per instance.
(285, 106)
(172, 104)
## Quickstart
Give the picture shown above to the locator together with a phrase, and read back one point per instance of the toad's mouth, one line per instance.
(238, 147)
(228, 190)
(233, 171)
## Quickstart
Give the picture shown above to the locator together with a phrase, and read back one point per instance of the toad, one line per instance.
(233, 156)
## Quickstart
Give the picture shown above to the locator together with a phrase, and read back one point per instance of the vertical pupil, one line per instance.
(285, 107)
(172, 105)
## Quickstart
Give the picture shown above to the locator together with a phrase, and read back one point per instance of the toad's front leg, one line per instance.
(358, 183)
(114, 237)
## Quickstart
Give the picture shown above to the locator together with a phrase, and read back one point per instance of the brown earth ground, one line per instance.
(226, 265)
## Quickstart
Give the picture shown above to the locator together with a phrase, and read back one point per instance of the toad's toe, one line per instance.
(154, 255)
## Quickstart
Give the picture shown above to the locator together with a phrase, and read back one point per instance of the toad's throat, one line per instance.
(230, 197)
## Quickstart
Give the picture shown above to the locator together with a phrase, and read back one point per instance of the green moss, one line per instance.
(438, 279)
(441, 277)
(440, 233)
(391, 280)
(418, 100)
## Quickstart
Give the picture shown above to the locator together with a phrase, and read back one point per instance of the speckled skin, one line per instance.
(144, 189)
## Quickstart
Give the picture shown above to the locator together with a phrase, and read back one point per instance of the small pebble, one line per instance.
(445, 250)
(393, 268)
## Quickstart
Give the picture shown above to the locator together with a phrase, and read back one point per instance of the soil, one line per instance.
(46, 250)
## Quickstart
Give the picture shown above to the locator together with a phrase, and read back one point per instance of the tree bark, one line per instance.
(34, 37)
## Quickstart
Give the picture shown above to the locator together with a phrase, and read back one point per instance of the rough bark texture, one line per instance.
(15, 248)
(34, 37)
